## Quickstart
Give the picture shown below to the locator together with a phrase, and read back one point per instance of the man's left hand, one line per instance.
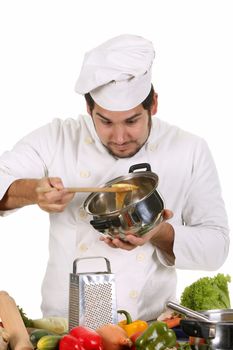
(161, 236)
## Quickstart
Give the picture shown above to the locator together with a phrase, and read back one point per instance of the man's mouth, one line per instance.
(123, 146)
(124, 150)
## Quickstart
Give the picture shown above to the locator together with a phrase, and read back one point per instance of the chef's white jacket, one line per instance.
(188, 183)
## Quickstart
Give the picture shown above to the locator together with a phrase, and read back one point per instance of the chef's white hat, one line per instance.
(117, 73)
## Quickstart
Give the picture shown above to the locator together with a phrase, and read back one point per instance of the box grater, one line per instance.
(92, 297)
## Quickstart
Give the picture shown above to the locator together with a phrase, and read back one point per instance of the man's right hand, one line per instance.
(56, 199)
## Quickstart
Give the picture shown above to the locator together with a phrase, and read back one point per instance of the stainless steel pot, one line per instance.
(142, 209)
(215, 326)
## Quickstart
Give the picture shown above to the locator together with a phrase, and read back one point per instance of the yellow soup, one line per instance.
(120, 196)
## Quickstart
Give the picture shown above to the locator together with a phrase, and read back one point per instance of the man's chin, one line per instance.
(123, 154)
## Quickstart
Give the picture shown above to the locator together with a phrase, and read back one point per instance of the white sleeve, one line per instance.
(29, 158)
(202, 242)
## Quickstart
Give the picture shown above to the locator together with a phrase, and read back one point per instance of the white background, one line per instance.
(42, 44)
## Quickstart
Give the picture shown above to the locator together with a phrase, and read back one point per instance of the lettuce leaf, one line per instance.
(207, 293)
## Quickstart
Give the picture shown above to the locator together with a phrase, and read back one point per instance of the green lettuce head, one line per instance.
(207, 293)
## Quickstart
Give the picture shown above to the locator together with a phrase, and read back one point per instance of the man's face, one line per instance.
(122, 133)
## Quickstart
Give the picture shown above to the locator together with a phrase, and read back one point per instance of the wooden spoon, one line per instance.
(125, 188)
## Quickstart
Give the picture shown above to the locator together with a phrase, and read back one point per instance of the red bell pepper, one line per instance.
(68, 342)
(86, 339)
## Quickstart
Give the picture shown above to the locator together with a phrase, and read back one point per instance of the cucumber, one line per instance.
(37, 334)
(49, 342)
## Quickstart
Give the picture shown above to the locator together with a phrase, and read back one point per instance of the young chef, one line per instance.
(120, 130)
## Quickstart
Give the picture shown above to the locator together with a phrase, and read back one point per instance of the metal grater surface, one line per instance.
(92, 299)
(98, 304)
(74, 301)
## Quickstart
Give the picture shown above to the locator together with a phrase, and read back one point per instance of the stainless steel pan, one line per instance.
(215, 326)
(142, 209)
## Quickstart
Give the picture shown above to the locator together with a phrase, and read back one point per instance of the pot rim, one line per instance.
(213, 320)
(119, 179)
(207, 323)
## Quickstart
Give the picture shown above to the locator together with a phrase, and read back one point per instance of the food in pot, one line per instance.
(120, 196)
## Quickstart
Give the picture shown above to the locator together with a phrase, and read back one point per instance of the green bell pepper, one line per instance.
(156, 337)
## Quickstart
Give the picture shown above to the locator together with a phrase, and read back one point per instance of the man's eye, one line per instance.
(131, 122)
(105, 122)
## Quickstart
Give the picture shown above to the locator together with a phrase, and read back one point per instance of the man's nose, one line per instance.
(119, 134)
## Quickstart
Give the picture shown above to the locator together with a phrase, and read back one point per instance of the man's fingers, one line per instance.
(123, 244)
(56, 182)
(135, 241)
(167, 214)
(108, 241)
(56, 196)
(51, 183)
(53, 208)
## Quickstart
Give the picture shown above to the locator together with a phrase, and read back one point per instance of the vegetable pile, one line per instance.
(157, 336)
(52, 334)
(207, 293)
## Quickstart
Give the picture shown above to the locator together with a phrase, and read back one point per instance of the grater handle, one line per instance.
(91, 257)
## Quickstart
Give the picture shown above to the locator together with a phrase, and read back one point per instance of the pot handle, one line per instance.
(102, 224)
(140, 166)
(186, 311)
(199, 329)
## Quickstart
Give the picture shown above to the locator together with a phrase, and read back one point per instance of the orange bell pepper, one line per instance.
(130, 326)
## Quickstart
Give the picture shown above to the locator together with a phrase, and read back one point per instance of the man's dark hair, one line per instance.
(147, 103)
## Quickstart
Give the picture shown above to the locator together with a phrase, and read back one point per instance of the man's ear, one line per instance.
(154, 104)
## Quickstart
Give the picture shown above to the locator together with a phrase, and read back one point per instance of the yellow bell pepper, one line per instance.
(130, 326)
